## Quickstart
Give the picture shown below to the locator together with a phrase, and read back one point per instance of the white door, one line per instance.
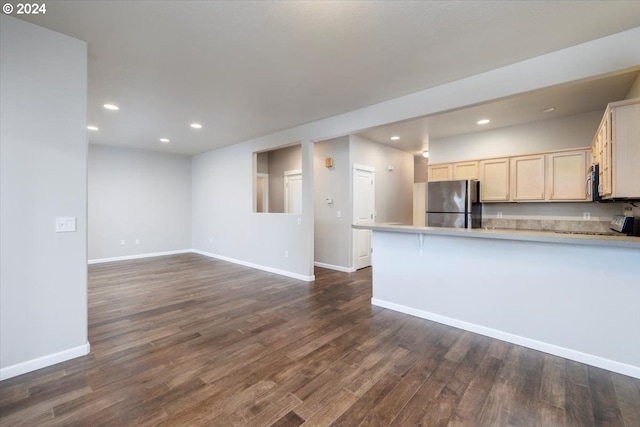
(262, 192)
(363, 213)
(293, 191)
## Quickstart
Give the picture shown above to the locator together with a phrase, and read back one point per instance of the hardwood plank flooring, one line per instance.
(186, 340)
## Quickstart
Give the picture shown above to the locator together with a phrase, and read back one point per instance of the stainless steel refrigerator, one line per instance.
(454, 204)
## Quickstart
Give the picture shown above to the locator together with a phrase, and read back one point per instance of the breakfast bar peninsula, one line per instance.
(574, 296)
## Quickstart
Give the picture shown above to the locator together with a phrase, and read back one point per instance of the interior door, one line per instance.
(363, 213)
(293, 192)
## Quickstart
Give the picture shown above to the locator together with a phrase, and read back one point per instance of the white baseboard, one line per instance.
(567, 353)
(257, 266)
(335, 267)
(138, 256)
(43, 362)
(220, 257)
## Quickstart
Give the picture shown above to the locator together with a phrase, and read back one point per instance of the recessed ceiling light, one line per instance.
(395, 138)
(92, 127)
(548, 110)
(196, 125)
(483, 121)
(425, 154)
(111, 107)
(165, 140)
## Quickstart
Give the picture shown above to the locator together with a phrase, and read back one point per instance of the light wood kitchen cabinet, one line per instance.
(466, 170)
(603, 142)
(566, 175)
(443, 172)
(494, 180)
(620, 153)
(527, 178)
(595, 150)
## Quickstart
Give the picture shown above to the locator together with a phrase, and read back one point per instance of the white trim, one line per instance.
(335, 267)
(138, 256)
(567, 353)
(220, 257)
(293, 172)
(257, 266)
(265, 192)
(364, 167)
(288, 176)
(44, 361)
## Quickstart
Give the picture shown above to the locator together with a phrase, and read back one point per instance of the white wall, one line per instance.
(222, 183)
(634, 92)
(224, 226)
(394, 189)
(547, 135)
(575, 301)
(43, 150)
(280, 161)
(420, 169)
(332, 234)
(141, 195)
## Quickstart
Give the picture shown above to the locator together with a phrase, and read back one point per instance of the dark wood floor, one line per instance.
(190, 341)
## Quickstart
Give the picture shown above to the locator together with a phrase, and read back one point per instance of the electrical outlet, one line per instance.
(210, 240)
(122, 242)
(137, 241)
(586, 215)
(286, 254)
(339, 213)
(299, 221)
(499, 214)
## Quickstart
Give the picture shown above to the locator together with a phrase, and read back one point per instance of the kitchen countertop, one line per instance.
(503, 234)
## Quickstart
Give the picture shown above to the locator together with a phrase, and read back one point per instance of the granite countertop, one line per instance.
(503, 234)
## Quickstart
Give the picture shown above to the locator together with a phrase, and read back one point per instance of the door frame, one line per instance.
(287, 175)
(354, 240)
(265, 191)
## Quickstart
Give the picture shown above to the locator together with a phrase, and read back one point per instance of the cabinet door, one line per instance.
(625, 166)
(595, 151)
(440, 172)
(527, 178)
(465, 170)
(566, 175)
(605, 155)
(494, 180)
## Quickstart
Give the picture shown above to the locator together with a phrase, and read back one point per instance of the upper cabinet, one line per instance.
(566, 173)
(466, 170)
(442, 172)
(527, 178)
(557, 176)
(494, 180)
(617, 143)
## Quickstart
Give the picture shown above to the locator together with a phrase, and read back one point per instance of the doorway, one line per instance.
(363, 213)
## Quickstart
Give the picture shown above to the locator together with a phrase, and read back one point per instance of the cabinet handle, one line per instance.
(587, 183)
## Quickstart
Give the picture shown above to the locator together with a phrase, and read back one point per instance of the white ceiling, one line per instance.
(567, 100)
(246, 69)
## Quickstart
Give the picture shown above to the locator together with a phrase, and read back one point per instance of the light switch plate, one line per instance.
(65, 224)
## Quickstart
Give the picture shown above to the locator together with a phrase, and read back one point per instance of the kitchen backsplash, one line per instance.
(546, 225)
(553, 216)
